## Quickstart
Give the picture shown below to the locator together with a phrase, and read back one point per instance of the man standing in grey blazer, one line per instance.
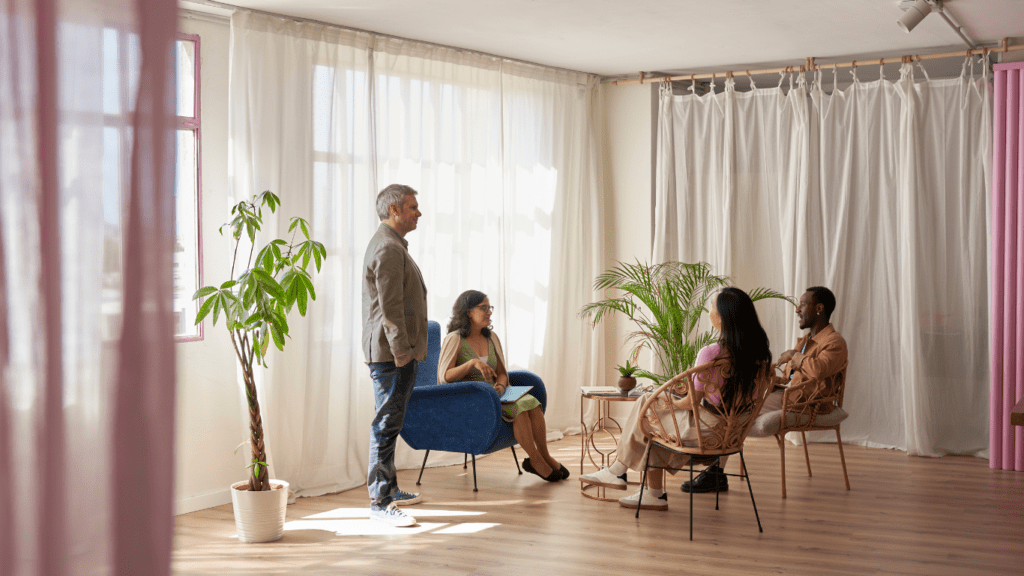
(394, 341)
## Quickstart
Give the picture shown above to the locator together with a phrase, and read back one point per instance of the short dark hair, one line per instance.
(460, 313)
(826, 298)
(393, 195)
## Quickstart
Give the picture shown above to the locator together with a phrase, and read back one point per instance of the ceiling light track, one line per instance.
(916, 10)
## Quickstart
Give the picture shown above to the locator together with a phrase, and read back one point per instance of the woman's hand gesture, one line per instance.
(488, 373)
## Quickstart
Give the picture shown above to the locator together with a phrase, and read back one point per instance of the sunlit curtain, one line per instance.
(876, 191)
(87, 371)
(504, 159)
(1006, 441)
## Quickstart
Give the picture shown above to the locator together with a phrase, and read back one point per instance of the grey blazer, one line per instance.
(394, 301)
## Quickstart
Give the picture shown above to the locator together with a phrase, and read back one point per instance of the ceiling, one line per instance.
(620, 38)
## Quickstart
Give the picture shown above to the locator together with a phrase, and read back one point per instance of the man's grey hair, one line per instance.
(393, 195)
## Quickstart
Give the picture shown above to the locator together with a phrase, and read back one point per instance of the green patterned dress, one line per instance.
(508, 411)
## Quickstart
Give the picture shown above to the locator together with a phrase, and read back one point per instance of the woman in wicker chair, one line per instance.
(744, 341)
(471, 351)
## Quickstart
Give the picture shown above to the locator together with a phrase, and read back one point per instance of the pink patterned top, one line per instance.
(707, 354)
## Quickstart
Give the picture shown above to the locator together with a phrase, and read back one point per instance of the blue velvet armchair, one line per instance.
(460, 416)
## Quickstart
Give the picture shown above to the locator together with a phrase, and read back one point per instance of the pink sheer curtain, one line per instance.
(87, 226)
(1006, 442)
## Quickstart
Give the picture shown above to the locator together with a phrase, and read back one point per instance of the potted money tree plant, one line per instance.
(254, 305)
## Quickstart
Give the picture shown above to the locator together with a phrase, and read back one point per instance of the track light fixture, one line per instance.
(915, 12)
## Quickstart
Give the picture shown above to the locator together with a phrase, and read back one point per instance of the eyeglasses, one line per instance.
(485, 308)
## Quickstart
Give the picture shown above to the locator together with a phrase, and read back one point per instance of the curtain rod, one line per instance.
(811, 66)
(232, 7)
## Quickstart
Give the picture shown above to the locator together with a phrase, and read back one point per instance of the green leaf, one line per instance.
(301, 300)
(204, 310)
(228, 284)
(278, 337)
(268, 283)
(204, 291)
(309, 284)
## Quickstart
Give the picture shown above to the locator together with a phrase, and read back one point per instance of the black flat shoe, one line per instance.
(564, 472)
(555, 475)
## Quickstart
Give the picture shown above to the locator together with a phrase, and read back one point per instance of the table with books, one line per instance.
(600, 439)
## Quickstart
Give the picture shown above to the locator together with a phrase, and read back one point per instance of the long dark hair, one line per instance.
(460, 313)
(746, 342)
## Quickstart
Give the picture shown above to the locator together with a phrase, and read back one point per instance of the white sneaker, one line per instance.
(403, 498)
(605, 477)
(648, 502)
(392, 515)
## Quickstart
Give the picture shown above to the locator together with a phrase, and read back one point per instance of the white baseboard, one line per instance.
(186, 505)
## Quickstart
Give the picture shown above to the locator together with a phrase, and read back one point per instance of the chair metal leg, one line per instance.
(751, 489)
(718, 484)
(422, 467)
(643, 481)
(806, 457)
(474, 473)
(782, 453)
(516, 460)
(691, 500)
(465, 460)
(842, 458)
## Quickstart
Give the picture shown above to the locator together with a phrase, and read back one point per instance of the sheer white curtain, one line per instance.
(87, 370)
(877, 191)
(300, 126)
(553, 230)
(500, 156)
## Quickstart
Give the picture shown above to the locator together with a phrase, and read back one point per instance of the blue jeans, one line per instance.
(392, 388)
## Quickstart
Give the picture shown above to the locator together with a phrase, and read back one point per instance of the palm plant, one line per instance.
(665, 302)
(257, 303)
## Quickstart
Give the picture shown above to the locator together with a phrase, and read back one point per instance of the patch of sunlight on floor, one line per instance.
(414, 511)
(467, 528)
(364, 513)
(364, 527)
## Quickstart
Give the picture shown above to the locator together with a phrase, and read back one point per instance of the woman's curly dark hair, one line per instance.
(460, 313)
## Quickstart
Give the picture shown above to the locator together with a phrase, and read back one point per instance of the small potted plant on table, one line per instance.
(626, 381)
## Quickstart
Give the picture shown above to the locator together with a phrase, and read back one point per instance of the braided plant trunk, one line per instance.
(259, 479)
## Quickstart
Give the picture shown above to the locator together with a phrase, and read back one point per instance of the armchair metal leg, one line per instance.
(465, 459)
(842, 458)
(807, 458)
(782, 453)
(754, 504)
(422, 467)
(474, 473)
(516, 460)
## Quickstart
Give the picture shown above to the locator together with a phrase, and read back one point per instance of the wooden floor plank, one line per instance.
(904, 515)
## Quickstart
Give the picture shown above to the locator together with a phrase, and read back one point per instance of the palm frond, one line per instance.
(665, 302)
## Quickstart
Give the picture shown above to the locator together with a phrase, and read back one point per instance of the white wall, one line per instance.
(210, 419)
(628, 179)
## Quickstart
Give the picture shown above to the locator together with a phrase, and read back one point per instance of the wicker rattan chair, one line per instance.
(722, 434)
(807, 405)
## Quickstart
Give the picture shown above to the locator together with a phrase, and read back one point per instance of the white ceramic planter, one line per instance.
(259, 516)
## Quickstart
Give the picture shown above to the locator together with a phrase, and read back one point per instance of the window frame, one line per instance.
(193, 123)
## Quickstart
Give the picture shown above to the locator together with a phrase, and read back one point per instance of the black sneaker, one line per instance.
(705, 481)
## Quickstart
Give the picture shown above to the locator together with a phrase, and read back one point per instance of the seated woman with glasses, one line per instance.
(471, 351)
